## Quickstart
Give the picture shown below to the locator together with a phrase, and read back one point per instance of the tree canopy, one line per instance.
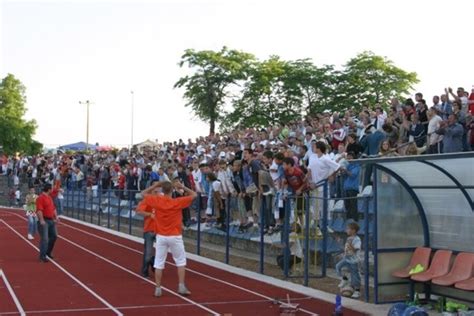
(276, 91)
(209, 87)
(16, 133)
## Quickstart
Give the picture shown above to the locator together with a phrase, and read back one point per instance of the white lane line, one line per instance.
(187, 269)
(12, 294)
(133, 307)
(137, 275)
(116, 311)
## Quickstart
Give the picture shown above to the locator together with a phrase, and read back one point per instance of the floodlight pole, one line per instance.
(87, 103)
(133, 107)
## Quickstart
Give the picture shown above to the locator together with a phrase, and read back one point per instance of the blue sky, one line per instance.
(67, 51)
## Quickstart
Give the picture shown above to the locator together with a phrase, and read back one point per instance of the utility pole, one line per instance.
(87, 103)
(133, 108)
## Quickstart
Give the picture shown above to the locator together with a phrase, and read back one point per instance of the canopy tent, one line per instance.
(147, 144)
(80, 146)
(104, 148)
(422, 200)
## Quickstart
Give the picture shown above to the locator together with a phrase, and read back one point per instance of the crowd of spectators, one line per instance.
(249, 167)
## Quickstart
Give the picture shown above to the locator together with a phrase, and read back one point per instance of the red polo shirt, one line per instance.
(45, 204)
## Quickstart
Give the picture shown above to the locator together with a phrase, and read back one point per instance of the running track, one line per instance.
(95, 273)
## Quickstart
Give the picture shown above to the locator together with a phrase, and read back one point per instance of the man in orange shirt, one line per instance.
(168, 219)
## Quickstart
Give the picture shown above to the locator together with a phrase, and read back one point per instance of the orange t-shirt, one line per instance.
(148, 222)
(168, 213)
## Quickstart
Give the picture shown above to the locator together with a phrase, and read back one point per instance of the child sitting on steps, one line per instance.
(351, 260)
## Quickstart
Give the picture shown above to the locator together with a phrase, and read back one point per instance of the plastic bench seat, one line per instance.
(439, 267)
(421, 255)
(461, 270)
(466, 285)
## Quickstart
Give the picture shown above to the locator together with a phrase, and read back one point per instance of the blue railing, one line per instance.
(115, 209)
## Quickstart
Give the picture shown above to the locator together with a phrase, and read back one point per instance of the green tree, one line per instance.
(318, 85)
(210, 86)
(270, 96)
(371, 79)
(15, 132)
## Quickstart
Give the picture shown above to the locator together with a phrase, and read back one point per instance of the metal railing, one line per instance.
(115, 209)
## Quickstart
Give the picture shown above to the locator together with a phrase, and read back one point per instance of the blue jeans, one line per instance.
(148, 253)
(32, 226)
(354, 270)
(59, 205)
(48, 235)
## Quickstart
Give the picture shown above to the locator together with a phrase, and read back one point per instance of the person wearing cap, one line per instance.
(47, 218)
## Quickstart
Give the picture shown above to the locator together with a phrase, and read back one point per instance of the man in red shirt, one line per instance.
(47, 218)
(168, 219)
(295, 179)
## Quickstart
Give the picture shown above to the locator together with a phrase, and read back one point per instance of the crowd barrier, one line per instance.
(115, 209)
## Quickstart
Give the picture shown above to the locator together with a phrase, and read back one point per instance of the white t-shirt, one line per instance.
(295, 245)
(464, 103)
(221, 176)
(433, 125)
(197, 179)
(321, 167)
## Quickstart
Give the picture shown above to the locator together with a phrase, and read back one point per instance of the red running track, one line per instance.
(96, 273)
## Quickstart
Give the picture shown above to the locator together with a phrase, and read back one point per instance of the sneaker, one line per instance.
(356, 295)
(183, 290)
(343, 284)
(43, 259)
(30, 237)
(319, 233)
(157, 291)
(330, 230)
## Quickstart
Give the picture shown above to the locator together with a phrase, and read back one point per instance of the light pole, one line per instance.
(87, 103)
(131, 134)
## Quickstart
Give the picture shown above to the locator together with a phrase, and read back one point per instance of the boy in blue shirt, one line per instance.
(351, 187)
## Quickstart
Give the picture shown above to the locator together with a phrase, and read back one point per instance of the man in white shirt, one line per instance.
(321, 167)
(460, 97)
(379, 118)
(434, 139)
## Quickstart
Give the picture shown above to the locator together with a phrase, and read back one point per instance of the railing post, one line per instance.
(227, 226)
(325, 229)
(85, 205)
(198, 245)
(286, 236)
(366, 246)
(130, 212)
(119, 210)
(375, 238)
(67, 201)
(306, 239)
(108, 209)
(99, 206)
(73, 207)
(262, 232)
(92, 206)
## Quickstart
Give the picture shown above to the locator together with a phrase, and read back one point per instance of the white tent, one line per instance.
(147, 145)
